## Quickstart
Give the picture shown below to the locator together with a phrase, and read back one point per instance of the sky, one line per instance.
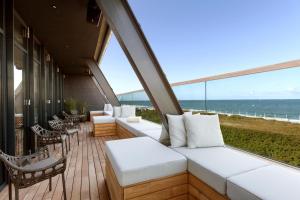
(199, 38)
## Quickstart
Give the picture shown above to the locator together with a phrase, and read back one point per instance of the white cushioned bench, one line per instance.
(103, 119)
(141, 160)
(214, 165)
(142, 128)
(273, 182)
(104, 125)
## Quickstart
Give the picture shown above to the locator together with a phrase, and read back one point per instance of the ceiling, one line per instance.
(63, 30)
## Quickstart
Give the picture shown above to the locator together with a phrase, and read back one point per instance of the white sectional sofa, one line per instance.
(214, 165)
(213, 172)
(142, 128)
(273, 182)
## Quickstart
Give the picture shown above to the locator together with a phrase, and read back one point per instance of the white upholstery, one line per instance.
(153, 133)
(110, 113)
(273, 182)
(127, 111)
(117, 111)
(140, 159)
(103, 119)
(177, 130)
(214, 165)
(94, 112)
(134, 119)
(138, 129)
(108, 107)
(203, 131)
(164, 137)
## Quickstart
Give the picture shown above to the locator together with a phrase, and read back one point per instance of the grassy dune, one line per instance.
(272, 139)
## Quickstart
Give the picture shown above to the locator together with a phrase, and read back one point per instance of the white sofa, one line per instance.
(142, 128)
(214, 165)
(140, 159)
(231, 172)
(274, 182)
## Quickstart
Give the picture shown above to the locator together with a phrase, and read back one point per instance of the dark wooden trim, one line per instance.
(102, 81)
(30, 139)
(8, 81)
(143, 60)
(2, 109)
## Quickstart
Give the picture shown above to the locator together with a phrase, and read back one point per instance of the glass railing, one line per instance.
(259, 112)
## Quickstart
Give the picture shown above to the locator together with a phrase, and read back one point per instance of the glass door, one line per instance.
(20, 66)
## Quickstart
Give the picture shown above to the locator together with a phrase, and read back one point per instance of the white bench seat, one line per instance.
(215, 165)
(141, 128)
(273, 182)
(103, 119)
(140, 159)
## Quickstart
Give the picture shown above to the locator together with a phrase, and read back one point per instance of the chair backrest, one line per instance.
(65, 114)
(9, 161)
(56, 125)
(55, 117)
(38, 130)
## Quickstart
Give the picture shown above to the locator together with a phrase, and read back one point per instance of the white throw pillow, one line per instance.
(134, 119)
(164, 136)
(203, 131)
(108, 107)
(177, 130)
(117, 111)
(127, 111)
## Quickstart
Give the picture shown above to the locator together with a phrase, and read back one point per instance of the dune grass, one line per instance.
(272, 139)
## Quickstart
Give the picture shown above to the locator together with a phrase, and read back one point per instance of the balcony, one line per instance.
(176, 141)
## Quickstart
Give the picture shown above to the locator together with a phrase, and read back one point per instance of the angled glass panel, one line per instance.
(121, 76)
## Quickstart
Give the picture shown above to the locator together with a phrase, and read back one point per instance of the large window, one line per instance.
(20, 65)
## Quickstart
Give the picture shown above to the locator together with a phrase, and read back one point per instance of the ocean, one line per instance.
(269, 108)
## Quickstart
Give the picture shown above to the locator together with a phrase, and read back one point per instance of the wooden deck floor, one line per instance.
(84, 173)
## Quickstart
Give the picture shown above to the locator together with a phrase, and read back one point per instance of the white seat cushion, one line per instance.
(94, 112)
(109, 113)
(214, 165)
(103, 119)
(273, 182)
(138, 128)
(153, 133)
(141, 159)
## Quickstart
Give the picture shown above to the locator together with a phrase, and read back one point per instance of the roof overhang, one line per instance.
(65, 31)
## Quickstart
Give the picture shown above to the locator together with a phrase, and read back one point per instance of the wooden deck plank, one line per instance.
(84, 173)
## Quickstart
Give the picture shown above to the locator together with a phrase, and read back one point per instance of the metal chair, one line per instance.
(46, 137)
(25, 171)
(59, 126)
(69, 123)
(74, 118)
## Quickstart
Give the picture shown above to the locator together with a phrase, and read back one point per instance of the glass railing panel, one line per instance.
(191, 96)
(260, 113)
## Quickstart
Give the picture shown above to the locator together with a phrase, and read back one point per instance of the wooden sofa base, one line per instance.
(172, 187)
(165, 188)
(105, 129)
(201, 191)
(123, 132)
